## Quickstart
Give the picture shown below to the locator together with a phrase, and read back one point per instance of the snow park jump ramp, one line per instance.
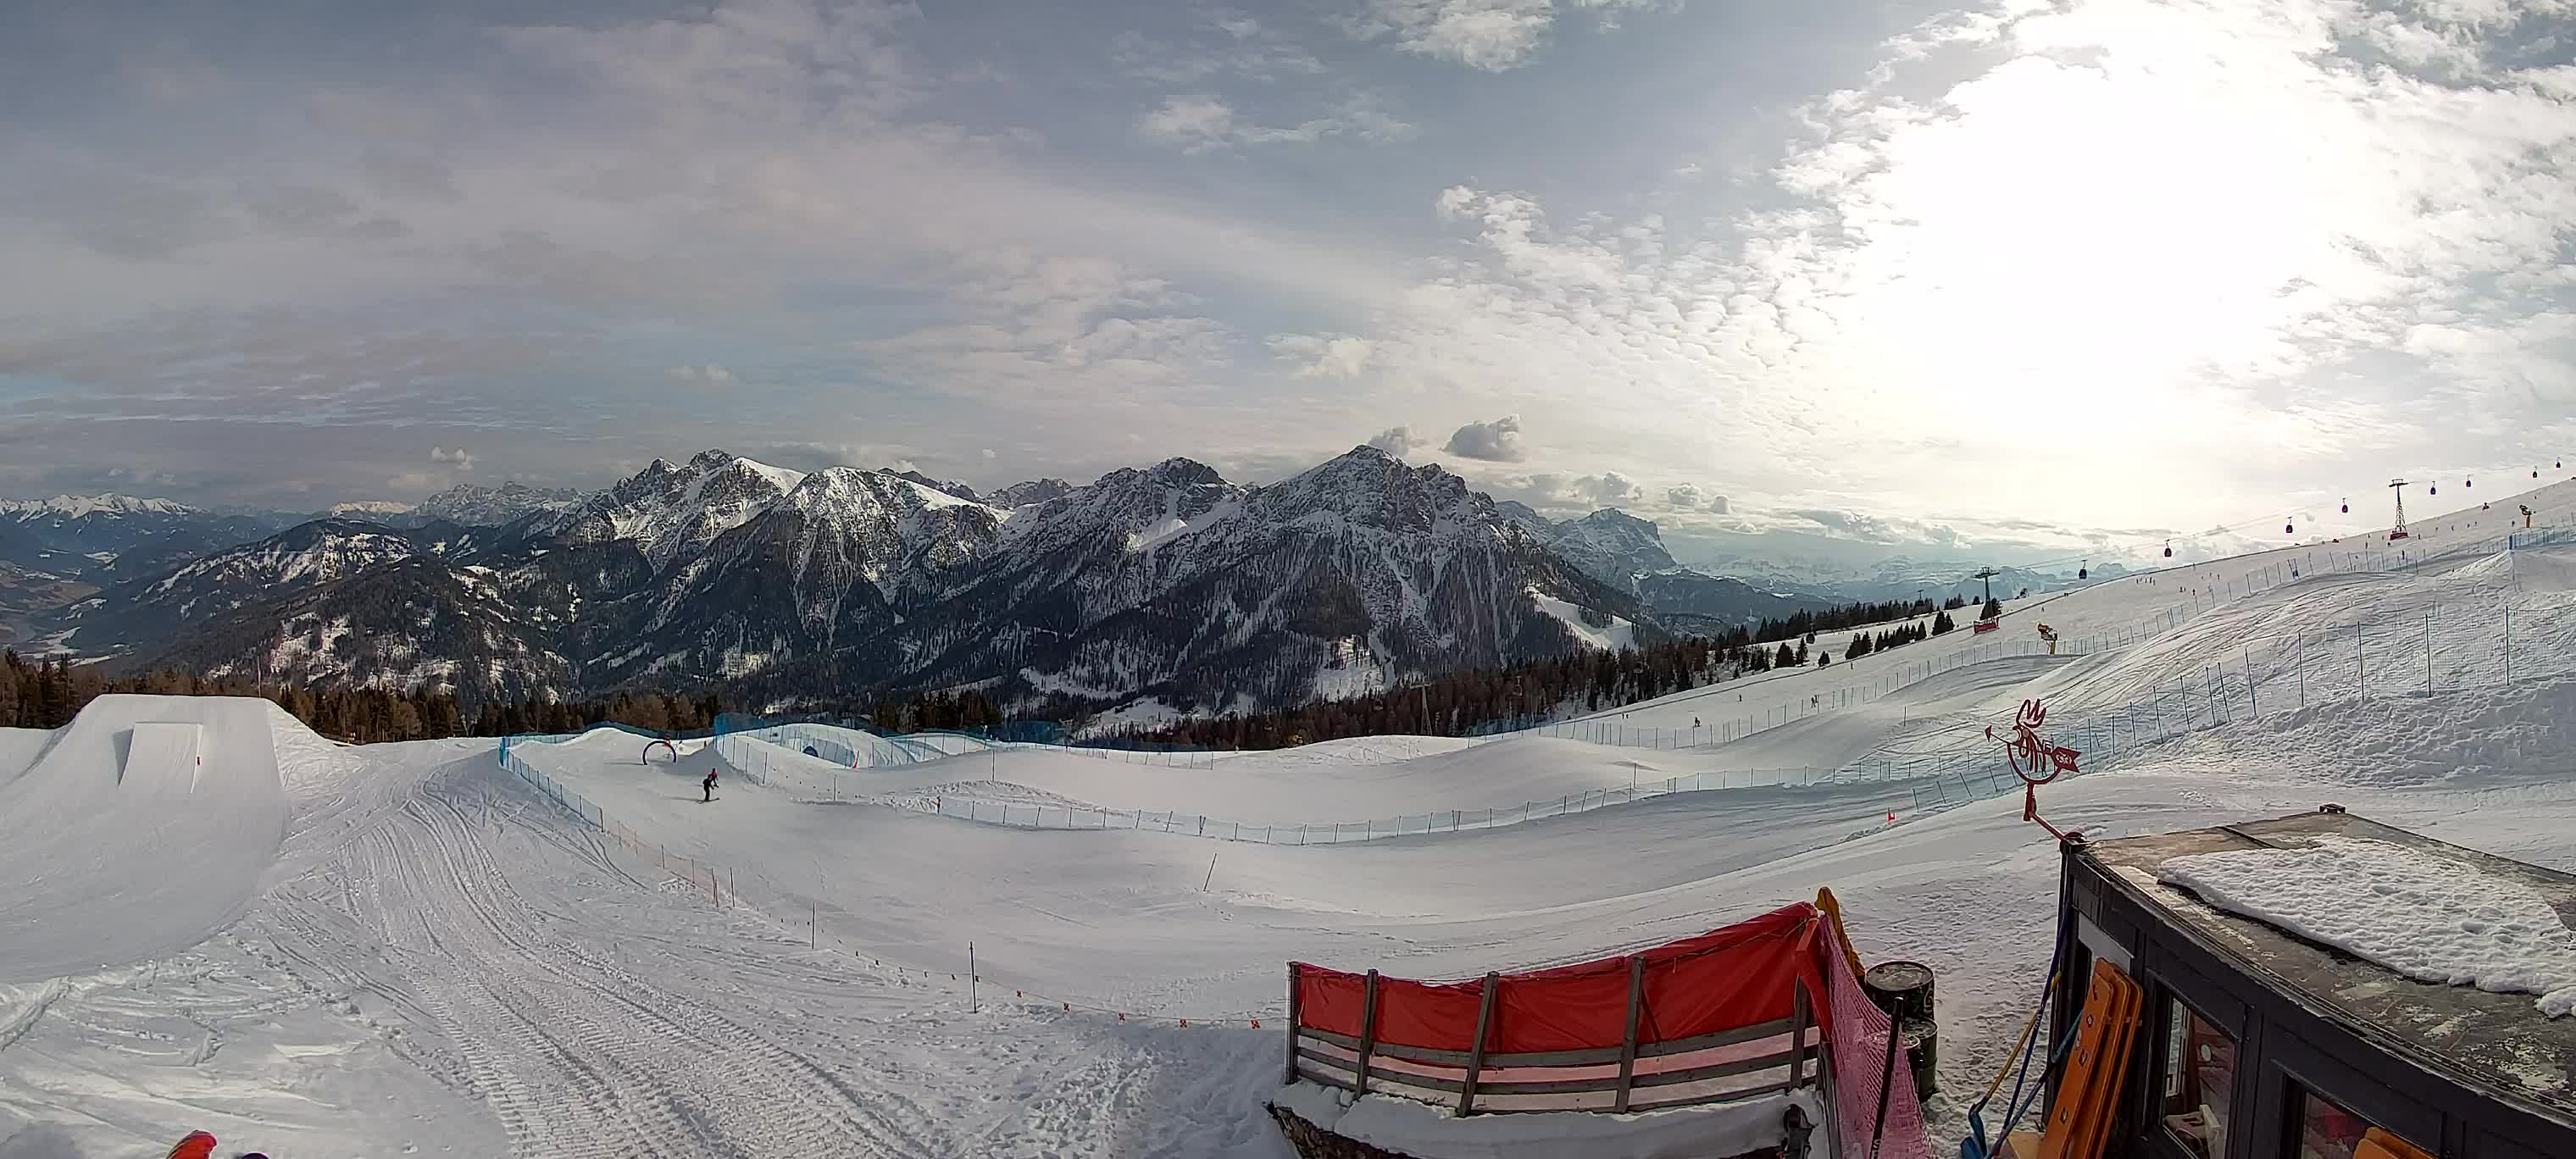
(142, 827)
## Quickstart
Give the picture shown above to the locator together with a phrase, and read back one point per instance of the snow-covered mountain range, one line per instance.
(1167, 581)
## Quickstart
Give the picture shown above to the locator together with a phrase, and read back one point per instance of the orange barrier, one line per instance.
(1727, 1014)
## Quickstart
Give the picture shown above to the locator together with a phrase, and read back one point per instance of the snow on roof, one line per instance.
(2416, 912)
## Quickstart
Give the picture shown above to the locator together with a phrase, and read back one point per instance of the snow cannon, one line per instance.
(2210, 1028)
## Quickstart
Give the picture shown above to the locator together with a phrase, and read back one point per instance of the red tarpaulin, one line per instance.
(1726, 979)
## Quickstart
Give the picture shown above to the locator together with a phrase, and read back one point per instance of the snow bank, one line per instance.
(2429, 917)
(119, 846)
(1429, 1132)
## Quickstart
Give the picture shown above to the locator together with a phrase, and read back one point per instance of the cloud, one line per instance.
(988, 454)
(457, 459)
(1340, 356)
(711, 374)
(1227, 44)
(412, 481)
(1690, 497)
(1877, 529)
(1494, 35)
(1486, 34)
(1398, 441)
(1876, 315)
(1498, 441)
(1607, 489)
(1199, 122)
(1190, 120)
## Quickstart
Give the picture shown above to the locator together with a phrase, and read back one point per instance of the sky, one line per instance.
(2010, 277)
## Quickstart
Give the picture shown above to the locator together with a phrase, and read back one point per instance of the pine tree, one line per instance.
(1994, 608)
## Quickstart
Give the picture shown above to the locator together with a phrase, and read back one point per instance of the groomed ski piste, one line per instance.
(215, 919)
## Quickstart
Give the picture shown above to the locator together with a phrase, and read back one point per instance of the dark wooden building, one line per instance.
(2257, 1044)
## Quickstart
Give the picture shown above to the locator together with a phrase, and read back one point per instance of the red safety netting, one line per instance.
(1727, 979)
(1858, 1032)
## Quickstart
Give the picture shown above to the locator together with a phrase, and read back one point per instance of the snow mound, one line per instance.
(2420, 914)
(123, 841)
(309, 765)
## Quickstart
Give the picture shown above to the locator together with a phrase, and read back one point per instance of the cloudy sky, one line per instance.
(2096, 272)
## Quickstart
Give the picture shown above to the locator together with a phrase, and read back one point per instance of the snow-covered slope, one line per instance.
(669, 511)
(436, 951)
(80, 506)
(143, 827)
(470, 505)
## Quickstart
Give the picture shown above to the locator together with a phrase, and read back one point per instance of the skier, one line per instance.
(707, 787)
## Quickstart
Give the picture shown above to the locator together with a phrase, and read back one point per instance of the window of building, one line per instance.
(2199, 1075)
(2322, 1129)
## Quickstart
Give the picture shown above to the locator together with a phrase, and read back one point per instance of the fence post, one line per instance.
(2428, 653)
(2508, 643)
(2360, 663)
(1628, 1048)
(1368, 1035)
(1797, 1032)
(1476, 1053)
(1292, 1022)
(2251, 704)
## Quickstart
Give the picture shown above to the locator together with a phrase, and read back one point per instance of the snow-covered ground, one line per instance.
(405, 949)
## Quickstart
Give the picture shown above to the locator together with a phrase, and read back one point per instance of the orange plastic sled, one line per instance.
(2378, 1144)
(2088, 1099)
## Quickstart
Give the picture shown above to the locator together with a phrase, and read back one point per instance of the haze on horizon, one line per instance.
(2016, 277)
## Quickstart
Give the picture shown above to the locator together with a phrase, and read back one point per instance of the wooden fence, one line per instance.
(1732, 1064)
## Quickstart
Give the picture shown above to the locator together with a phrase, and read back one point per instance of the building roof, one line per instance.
(2501, 1042)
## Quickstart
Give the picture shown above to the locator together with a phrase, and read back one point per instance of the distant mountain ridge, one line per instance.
(1168, 581)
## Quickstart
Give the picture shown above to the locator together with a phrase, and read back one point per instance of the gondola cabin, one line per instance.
(2250, 1042)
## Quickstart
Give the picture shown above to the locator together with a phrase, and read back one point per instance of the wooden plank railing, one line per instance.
(1634, 1075)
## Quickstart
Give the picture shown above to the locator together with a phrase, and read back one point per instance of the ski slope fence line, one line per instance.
(2453, 646)
(721, 884)
(2493, 643)
(1019, 816)
(1894, 671)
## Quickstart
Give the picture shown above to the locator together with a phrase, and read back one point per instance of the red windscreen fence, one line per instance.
(1743, 975)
